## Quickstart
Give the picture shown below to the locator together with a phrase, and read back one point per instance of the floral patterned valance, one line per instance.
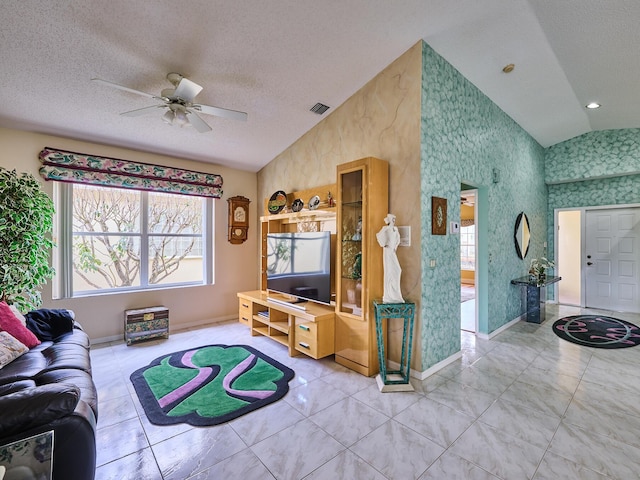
(467, 222)
(112, 172)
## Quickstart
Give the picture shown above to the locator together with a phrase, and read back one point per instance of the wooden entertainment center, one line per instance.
(345, 329)
(309, 331)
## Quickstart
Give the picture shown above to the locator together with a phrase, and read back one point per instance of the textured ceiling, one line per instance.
(276, 59)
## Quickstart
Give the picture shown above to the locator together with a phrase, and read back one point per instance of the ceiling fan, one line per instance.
(179, 104)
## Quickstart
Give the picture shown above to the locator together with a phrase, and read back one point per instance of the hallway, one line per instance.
(468, 307)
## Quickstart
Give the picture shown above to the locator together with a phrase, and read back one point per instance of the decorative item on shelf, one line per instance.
(356, 271)
(358, 235)
(330, 200)
(297, 205)
(277, 202)
(238, 219)
(354, 295)
(438, 216)
(538, 269)
(389, 239)
(314, 202)
(348, 229)
(307, 225)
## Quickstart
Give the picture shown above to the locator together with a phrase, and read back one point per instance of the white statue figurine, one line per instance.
(389, 239)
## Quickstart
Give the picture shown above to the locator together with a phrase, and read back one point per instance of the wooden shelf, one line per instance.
(316, 323)
(261, 330)
(281, 326)
(284, 340)
(322, 219)
(346, 329)
(302, 216)
(261, 319)
(363, 185)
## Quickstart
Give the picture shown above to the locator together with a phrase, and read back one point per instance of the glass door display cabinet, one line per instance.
(364, 201)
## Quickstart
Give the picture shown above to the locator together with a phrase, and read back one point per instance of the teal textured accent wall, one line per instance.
(464, 136)
(605, 153)
(592, 155)
(591, 193)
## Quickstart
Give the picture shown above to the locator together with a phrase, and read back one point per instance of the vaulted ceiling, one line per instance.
(275, 59)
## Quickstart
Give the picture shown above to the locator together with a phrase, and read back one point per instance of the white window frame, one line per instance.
(63, 252)
(475, 247)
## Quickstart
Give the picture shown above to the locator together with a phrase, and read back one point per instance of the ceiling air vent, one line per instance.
(319, 108)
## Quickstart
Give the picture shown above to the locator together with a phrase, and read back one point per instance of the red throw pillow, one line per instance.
(9, 323)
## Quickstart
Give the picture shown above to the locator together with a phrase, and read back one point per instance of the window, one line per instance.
(113, 239)
(468, 247)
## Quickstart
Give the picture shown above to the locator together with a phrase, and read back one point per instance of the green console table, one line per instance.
(396, 380)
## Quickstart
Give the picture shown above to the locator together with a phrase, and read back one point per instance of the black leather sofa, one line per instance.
(50, 388)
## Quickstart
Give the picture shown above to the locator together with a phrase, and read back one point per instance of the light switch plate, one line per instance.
(405, 236)
(454, 227)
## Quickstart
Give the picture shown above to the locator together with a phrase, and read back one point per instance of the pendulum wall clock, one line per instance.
(238, 219)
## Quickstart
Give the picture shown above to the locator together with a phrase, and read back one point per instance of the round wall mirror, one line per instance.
(522, 235)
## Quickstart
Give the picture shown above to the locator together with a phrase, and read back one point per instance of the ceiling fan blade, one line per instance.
(142, 111)
(122, 87)
(198, 123)
(187, 90)
(221, 112)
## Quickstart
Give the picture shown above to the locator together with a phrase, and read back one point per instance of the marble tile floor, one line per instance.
(468, 315)
(522, 405)
(467, 292)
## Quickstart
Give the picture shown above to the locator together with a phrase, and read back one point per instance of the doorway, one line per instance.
(468, 255)
(569, 257)
(598, 257)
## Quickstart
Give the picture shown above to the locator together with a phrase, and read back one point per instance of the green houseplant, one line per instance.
(538, 269)
(26, 221)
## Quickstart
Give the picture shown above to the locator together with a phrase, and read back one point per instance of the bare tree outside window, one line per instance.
(468, 247)
(110, 240)
(169, 217)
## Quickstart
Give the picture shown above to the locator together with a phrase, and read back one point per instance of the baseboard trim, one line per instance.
(428, 372)
(440, 365)
(172, 328)
(489, 336)
(112, 338)
(201, 323)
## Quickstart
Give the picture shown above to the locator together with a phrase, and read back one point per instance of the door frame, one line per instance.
(583, 246)
(476, 281)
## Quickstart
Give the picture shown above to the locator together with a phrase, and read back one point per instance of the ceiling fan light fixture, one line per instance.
(174, 78)
(168, 117)
(180, 118)
(179, 102)
(167, 92)
(593, 105)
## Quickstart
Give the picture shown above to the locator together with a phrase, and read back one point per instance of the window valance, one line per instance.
(74, 167)
(467, 222)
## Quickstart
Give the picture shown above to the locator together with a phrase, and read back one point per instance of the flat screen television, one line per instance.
(299, 265)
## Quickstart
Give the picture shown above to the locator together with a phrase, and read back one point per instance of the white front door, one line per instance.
(612, 262)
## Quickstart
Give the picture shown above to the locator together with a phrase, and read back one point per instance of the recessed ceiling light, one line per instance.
(508, 68)
(593, 105)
